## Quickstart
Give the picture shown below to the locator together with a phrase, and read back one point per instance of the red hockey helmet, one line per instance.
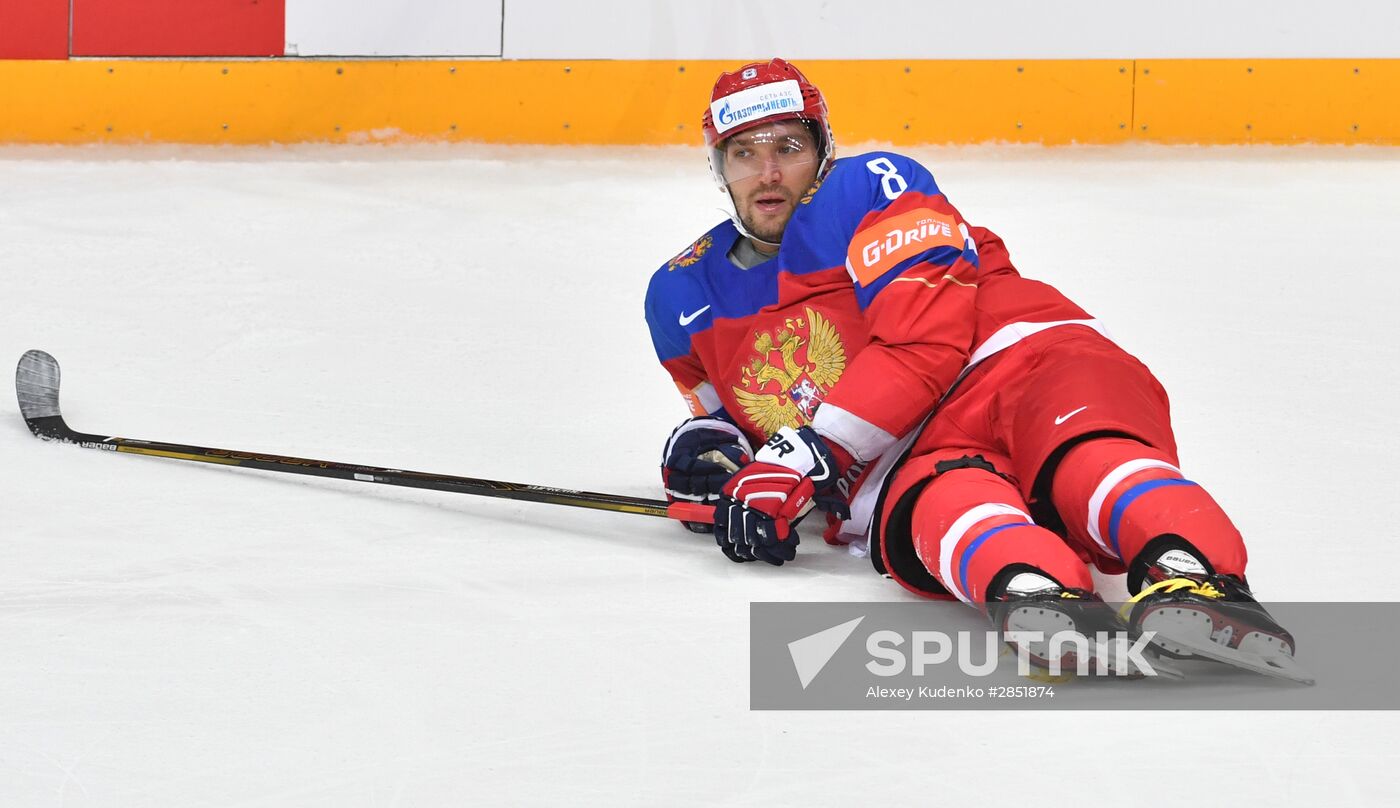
(758, 94)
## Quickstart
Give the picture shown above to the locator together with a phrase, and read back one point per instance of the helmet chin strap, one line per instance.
(732, 209)
(744, 231)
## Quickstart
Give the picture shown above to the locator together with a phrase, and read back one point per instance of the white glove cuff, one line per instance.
(789, 449)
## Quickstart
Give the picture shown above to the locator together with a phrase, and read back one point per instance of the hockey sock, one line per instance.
(1019, 581)
(971, 524)
(1119, 496)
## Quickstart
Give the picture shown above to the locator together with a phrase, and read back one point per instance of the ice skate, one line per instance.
(1194, 614)
(1068, 632)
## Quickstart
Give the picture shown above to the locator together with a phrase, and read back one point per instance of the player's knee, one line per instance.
(1128, 499)
(1084, 465)
(949, 530)
(970, 523)
(970, 479)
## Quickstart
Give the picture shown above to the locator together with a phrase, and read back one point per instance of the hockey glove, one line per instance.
(700, 457)
(764, 500)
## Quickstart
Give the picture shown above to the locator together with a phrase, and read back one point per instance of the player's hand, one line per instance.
(765, 499)
(700, 457)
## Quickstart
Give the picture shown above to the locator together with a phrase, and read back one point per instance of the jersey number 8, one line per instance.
(890, 180)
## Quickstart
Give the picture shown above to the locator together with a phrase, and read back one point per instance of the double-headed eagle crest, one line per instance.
(792, 369)
(691, 255)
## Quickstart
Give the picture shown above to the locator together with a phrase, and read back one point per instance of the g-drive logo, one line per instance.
(756, 102)
(1105, 654)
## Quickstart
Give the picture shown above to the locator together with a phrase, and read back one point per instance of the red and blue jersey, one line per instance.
(872, 307)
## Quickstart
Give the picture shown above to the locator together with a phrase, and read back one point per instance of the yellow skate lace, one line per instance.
(1203, 588)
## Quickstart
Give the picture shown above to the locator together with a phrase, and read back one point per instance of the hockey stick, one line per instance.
(37, 381)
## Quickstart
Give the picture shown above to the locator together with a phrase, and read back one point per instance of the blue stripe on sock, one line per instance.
(976, 543)
(1115, 518)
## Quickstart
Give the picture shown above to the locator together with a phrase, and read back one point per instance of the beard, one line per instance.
(772, 232)
(766, 227)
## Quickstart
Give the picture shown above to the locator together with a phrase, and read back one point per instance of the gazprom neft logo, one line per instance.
(756, 102)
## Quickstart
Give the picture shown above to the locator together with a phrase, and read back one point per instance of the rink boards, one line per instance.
(649, 102)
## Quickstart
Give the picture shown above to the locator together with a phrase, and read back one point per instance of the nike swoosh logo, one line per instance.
(1060, 419)
(687, 319)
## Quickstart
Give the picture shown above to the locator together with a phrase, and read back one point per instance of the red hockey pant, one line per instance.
(1115, 490)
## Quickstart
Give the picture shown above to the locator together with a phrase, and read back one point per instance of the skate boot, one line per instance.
(1192, 613)
(1062, 632)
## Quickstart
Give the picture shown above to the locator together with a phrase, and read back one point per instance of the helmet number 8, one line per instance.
(890, 180)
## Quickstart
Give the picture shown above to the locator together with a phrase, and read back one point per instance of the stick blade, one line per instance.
(36, 384)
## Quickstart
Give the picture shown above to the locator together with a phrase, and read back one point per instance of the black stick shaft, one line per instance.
(53, 428)
(37, 386)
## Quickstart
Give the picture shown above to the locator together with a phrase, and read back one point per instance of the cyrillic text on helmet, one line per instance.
(779, 98)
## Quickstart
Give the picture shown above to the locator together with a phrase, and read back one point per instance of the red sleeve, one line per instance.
(915, 270)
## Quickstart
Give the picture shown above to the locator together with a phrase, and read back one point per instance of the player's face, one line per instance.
(768, 169)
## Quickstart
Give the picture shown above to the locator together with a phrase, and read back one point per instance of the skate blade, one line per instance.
(1165, 669)
(1279, 666)
(1161, 669)
(1099, 658)
(1121, 664)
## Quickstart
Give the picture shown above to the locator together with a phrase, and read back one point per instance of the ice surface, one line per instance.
(173, 634)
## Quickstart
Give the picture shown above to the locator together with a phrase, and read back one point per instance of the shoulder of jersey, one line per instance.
(677, 283)
(862, 177)
(702, 250)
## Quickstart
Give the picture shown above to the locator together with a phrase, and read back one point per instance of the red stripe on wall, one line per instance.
(33, 29)
(179, 27)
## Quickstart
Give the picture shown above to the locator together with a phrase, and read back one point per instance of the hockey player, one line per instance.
(977, 429)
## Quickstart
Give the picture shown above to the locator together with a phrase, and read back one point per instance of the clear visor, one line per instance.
(772, 150)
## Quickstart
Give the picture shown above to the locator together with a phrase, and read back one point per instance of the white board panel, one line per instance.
(394, 27)
(951, 29)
